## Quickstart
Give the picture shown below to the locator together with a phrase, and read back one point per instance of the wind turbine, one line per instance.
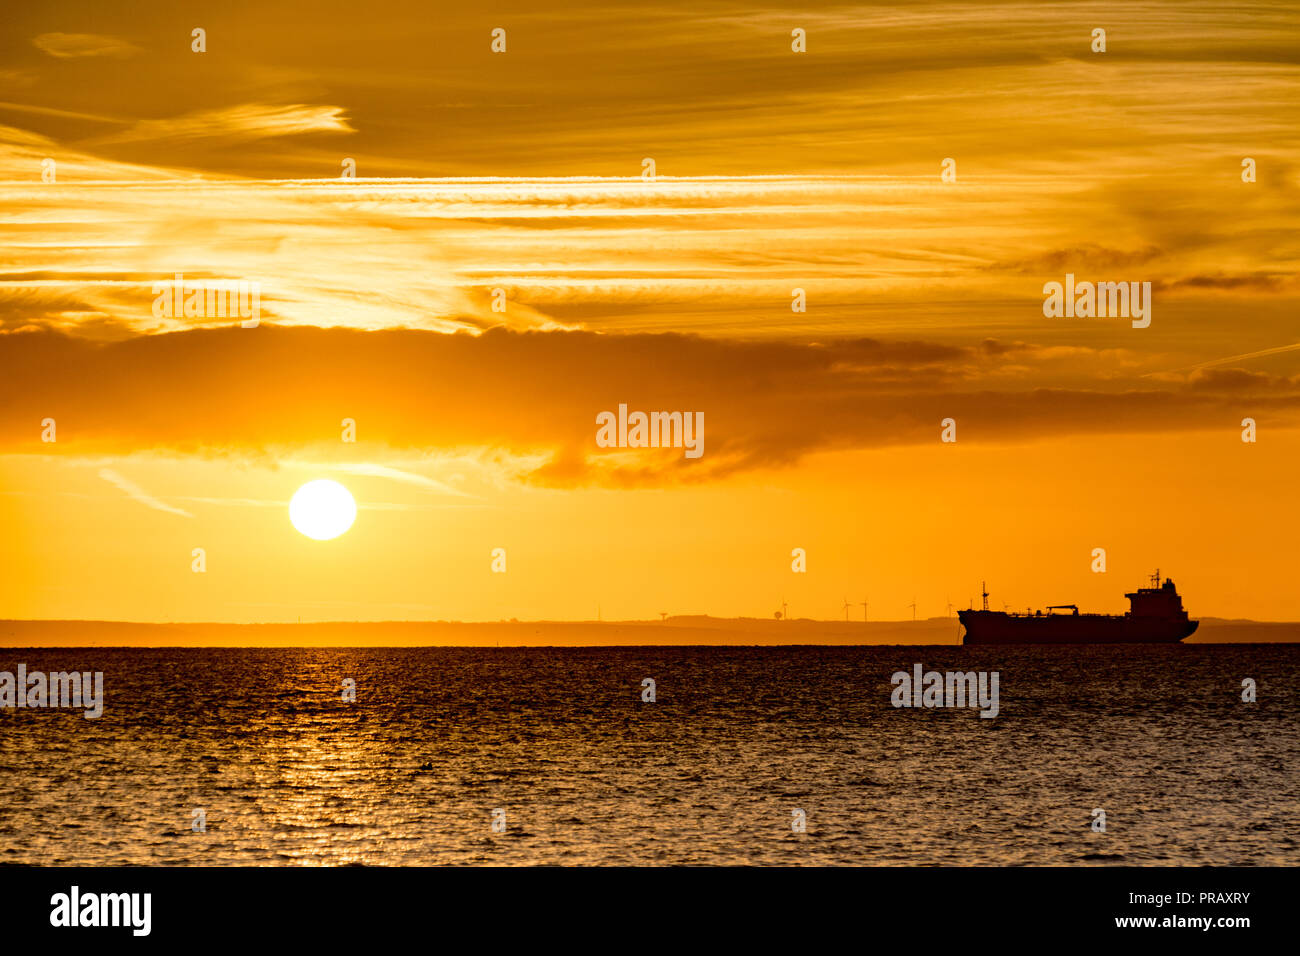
(864, 611)
(847, 605)
(913, 607)
(949, 607)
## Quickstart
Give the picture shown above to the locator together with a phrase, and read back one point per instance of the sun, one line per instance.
(322, 509)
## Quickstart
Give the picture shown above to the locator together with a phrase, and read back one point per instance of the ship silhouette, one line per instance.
(1155, 616)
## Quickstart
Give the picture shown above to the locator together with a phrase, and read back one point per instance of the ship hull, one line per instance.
(997, 627)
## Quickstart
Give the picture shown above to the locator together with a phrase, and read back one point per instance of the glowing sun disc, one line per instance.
(322, 509)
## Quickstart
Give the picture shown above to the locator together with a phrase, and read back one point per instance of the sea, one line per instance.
(746, 755)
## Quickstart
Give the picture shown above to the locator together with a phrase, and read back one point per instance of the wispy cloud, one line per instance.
(396, 474)
(136, 493)
(877, 256)
(247, 121)
(67, 46)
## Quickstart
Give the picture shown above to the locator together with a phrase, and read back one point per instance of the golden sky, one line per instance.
(522, 171)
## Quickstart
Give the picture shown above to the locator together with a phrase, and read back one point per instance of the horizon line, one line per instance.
(671, 617)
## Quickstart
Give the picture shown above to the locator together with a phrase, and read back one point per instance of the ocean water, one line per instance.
(738, 739)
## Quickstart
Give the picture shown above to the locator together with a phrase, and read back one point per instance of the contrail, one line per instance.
(136, 493)
(1233, 358)
(396, 474)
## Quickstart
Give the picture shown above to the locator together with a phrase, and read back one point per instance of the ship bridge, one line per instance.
(1161, 600)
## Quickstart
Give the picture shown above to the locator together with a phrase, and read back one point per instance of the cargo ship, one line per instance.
(1155, 616)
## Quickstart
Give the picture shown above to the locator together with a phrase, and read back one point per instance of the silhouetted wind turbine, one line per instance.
(864, 611)
(913, 607)
(847, 605)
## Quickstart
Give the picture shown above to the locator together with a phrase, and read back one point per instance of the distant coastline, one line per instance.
(685, 630)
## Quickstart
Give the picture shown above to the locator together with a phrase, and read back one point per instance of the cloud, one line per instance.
(1007, 87)
(535, 396)
(711, 255)
(136, 493)
(22, 153)
(1240, 380)
(1082, 259)
(68, 46)
(232, 124)
(1268, 281)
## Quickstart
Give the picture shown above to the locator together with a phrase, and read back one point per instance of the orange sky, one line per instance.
(521, 171)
